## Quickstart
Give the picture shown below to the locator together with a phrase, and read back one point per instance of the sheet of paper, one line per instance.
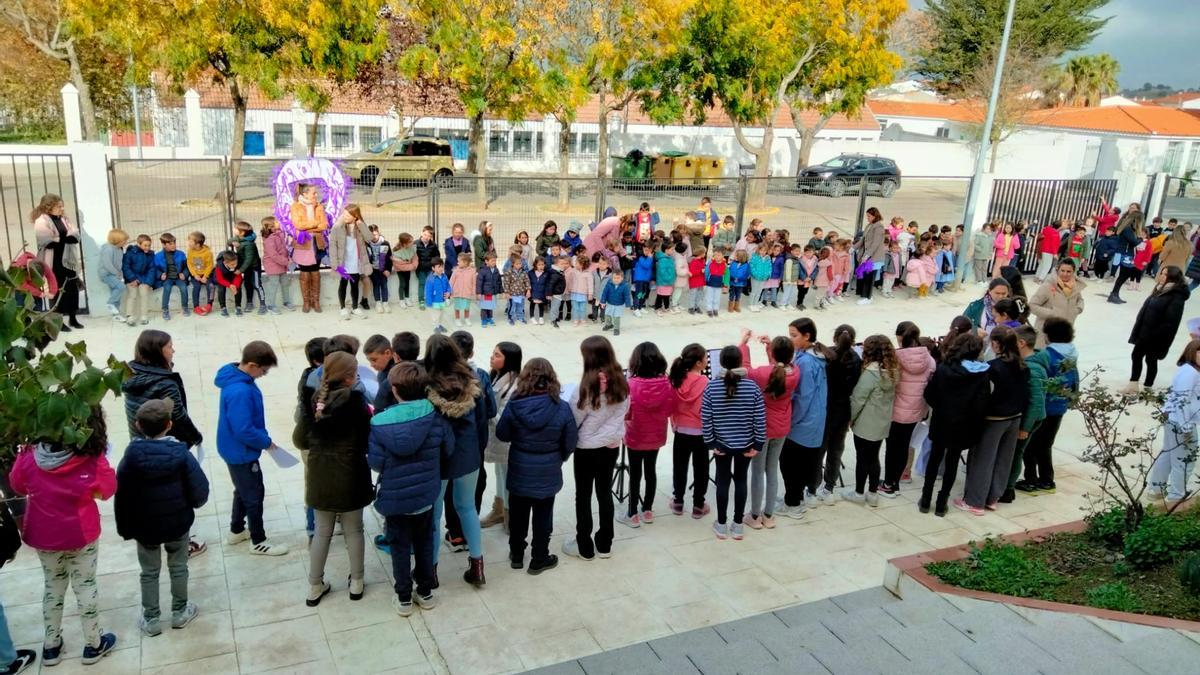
(199, 448)
(282, 458)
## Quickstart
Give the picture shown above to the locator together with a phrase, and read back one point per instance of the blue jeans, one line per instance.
(248, 495)
(464, 506)
(208, 287)
(578, 309)
(7, 653)
(712, 298)
(166, 293)
(116, 290)
(518, 309)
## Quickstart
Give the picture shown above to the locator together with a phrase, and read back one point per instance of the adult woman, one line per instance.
(1156, 325)
(1169, 475)
(58, 249)
(980, 311)
(1177, 248)
(453, 391)
(1129, 235)
(871, 247)
(348, 257)
(482, 242)
(153, 378)
(505, 366)
(608, 229)
(1061, 296)
(337, 480)
(916, 366)
(311, 223)
(1007, 243)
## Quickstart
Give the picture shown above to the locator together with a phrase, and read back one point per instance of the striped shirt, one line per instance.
(736, 423)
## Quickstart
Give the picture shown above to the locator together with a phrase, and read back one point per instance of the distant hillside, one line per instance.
(1149, 90)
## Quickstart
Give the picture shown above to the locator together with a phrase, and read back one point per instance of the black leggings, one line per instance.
(735, 465)
(866, 464)
(937, 451)
(1123, 274)
(642, 461)
(1140, 354)
(866, 285)
(688, 448)
(836, 427)
(352, 282)
(895, 456)
(662, 302)
(537, 310)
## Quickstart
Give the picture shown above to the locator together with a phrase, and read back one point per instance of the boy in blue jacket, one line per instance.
(613, 300)
(161, 484)
(643, 276)
(241, 438)
(137, 268)
(408, 442)
(171, 267)
(437, 294)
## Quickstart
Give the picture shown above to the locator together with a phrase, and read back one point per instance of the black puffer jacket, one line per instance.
(159, 486)
(1158, 320)
(841, 376)
(957, 395)
(150, 382)
(426, 254)
(336, 476)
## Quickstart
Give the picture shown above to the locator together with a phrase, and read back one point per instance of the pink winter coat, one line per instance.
(841, 265)
(920, 272)
(686, 416)
(779, 410)
(275, 255)
(61, 514)
(651, 402)
(916, 367)
(825, 272)
(605, 231)
(1013, 247)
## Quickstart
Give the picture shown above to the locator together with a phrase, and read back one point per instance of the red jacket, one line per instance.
(779, 410)
(687, 409)
(651, 402)
(1051, 239)
(696, 268)
(227, 277)
(1142, 255)
(61, 514)
(1106, 221)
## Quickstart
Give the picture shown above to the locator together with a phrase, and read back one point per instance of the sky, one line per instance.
(1153, 40)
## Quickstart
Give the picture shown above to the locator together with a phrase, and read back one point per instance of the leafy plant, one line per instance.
(45, 396)
(1189, 573)
(1159, 538)
(998, 568)
(1115, 596)
(1108, 525)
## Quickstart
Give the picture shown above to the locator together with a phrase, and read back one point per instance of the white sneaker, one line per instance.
(402, 608)
(571, 548)
(345, 314)
(755, 308)
(676, 310)
(872, 499)
(794, 512)
(850, 495)
(267, 548)
(379, 308)
(458, 323)
(825, 496)
(235, 538)
(467, 322)
(357, 312)
(864, 301)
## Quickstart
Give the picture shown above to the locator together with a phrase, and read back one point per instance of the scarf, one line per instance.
(989, 321)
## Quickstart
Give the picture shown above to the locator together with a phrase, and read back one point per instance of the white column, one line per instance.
(195, 123)
(71, 117)
(299, 131)
(95, 214)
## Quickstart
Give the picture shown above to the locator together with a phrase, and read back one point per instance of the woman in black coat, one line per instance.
(1157, 323)
(1129, 235)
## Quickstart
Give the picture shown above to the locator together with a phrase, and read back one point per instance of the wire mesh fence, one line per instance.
(1181, 199)
(179, 196)
(23, 181)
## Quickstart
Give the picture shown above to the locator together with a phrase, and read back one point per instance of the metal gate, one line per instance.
(179, 196)
(24, 178)
(1040, 202)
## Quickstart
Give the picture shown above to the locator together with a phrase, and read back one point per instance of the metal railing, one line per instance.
(179, 196)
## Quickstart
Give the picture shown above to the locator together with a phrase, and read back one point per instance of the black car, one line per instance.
(848, 172)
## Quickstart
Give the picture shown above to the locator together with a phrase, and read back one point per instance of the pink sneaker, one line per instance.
(768, 522)
(647, 517)
(754, 522)
(677, 507)
(699, 513)
(963, 506)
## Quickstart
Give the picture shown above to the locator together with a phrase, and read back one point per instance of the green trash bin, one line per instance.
(631, 168)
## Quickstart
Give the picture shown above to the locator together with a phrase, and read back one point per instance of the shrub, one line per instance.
(1159, 538)
(1108, 525)
(999, 568)
(1189, 573)
(1115, 596)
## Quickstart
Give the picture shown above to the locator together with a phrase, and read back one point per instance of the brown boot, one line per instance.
(474, 573)
(495, 516)
(314, 286)
(304, 294)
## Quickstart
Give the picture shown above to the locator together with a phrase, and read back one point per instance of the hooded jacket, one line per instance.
(275, 254)
(1010, 389)
(336, 476)
(651, 402)
(556, 282)
(543, 242)
(516, 284)
(462, 415)
(437, 287)
(241, 425)
(870, 404)
(488, 281)
(138, 265)
(149, 382)
(1158, 321)
(664, 269)
(407, 445)
(427, 252)
(809, 400)
(1037, 365)
(541, 433)
(779, 410)
(61, 513)
(616, 295)
(686, 415)
(1062, 368)
(958, 396)
(462, 284)
(916, 367)
(538, 285)
(247, 251)
(643, 269)
(161, 486)
(841, 377)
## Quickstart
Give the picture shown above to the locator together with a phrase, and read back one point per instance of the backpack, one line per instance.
(1066, 377)
(946, 267)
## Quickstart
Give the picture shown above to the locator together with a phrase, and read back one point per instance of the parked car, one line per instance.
(408, 158)
(847, 172)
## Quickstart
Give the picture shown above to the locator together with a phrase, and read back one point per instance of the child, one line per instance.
(644, 222)
(760, 273)
(404, 262)
(739, 276)
(841, 268)
(1062, 374)
(1141, 259)
(248, 264)
(1006, 244)
(553, 254)
(777, 381)
(538, 283)
(818, 239)
(664, 279)
(547, 239)
(957, 395)
(945, 266)
(643, 276)
(790, 276)
(171, 267)
(613, 300)
(541, 432)
(162, 485)
(426, 252)
(651, 401)
(408, 443)
(571, 241)
(463, 287)
(808, 276)
(62, 524)
(228, 277)
(731, 414)
(688, 381)
(111, 257)
(682, 276)
(580, 287)
(1037, 364)
(556, 287)
(891, 268)
(1173, 466)
(379, 252)
(870, 416)
(314, 353)
(725, 238)
(921, 272)
(696, 280)
(348, 258)
(714, 281)
(505, 365)
(600, 278)
(437, 294)
(276, 282)
(773, 283)
(241, 438)
(516, 285)
(488, 285)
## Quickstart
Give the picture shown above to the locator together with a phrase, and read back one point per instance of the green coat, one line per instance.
(337, 477)
(871, 404)
(974, 312)
(1038, 364)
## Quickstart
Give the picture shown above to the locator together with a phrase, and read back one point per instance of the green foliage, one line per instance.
(999, 568)
(1115, 596)
(1189, 573)
(1108, 525)
(1161, 537)
(45, 396)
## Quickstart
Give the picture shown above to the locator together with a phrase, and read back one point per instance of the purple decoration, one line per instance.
(326, 174)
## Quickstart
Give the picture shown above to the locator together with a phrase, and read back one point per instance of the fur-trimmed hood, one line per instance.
(460, 405)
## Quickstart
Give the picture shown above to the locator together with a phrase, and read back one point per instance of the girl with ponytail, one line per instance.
(842, 372)
(870, 413)
(777, 381)
(688, 381)
(731, 414)
(916, 367)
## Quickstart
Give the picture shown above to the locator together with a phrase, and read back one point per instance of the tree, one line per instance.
(1084, 80)
(1020, 89)
(965, 31)
(853, 59)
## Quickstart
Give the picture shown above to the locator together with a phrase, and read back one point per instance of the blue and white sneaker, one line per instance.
(94, 654)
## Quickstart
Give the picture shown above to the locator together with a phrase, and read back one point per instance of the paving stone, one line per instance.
(1105, 663)
(753, 627)
(865, 656)
(927, 609)
(747, 656)
(1165, 652)
(937, 662)
(801, 663)
(809, 612)
(865, 599)
(864, 623)
(1005, 652)
(934, 638)
(565, 668)
(807, 638)
(676, 665)
(986, 619)
(683, 643)
(1069, 637)
(623, 660)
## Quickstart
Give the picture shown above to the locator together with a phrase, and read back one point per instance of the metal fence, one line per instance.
(1038, 203)
(1181, 199)
(179, 196)
(24, 178)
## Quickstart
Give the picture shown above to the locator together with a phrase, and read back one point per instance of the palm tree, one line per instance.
(1086, 79)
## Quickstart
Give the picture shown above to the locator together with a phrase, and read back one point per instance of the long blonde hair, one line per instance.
(45, 205)
(336, 370)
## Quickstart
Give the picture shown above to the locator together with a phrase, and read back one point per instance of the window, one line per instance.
(282, 137)
(584, 144)
(498, 143)
(424, 131)
(943, 132)
(1174, 158)
(883, 123)
(342, 137)
(527, 143)
(369, 137)
(319, 143)
(1194, 160)
(453, 134)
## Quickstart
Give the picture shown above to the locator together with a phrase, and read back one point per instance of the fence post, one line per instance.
(432, 207)
(739, 226)
(862, 207)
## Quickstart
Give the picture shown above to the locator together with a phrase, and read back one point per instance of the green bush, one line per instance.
(999, 568)
(1189, 573)
(1160, 538)
(1108, 525)
(1115, 596)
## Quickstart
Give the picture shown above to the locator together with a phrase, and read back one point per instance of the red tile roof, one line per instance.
(963, 111)
(1135, 120)
(1175, 100)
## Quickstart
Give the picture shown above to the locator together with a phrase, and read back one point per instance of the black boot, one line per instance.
(923, 504)
(939, 509)
(474, 573)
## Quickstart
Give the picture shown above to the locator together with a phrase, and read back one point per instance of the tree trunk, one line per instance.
(238, 142)
(478, 151)
(312, 134)
(564, 163)
(756, 192)
(602, 138)
(808, 135)
(474, 139)
(992, 164)
(87, 109)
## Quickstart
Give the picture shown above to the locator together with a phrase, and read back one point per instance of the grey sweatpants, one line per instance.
(150, 560)
(765, 465)
(318, 551)
(990, 461)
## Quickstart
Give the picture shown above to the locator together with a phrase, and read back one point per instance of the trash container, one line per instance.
(685, 170)
(631, 169)
(660, 171)
(712, 169)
